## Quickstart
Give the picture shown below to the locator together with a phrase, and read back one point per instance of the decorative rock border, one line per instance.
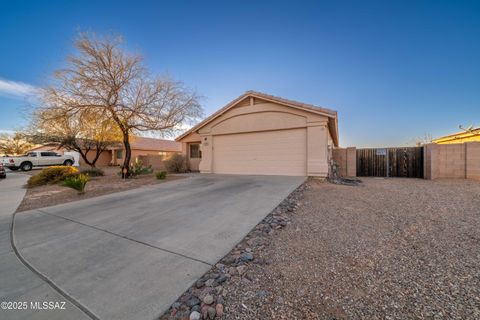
(208, 297)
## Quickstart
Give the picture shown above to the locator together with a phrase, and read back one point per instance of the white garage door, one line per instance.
(282, 152)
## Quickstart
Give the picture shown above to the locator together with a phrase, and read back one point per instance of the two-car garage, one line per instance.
(259, 134)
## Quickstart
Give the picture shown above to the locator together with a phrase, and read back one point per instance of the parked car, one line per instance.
(3, 174)
(37, 159)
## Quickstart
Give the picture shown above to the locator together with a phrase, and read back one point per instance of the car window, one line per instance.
(31, 154)
(48, 154)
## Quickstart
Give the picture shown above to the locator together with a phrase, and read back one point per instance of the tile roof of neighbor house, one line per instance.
(45, 147)
(144, 143)
(251, 93)
(136, 142)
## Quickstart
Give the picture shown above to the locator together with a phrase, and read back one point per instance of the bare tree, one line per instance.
(14, 144)
(84, 131)
(420, 141)
(104, 78)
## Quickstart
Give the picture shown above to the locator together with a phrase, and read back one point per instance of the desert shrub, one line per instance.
(77, 182)
(137, 168)
(51, 175)
(161, 175)
(92, 172)
(176, 163)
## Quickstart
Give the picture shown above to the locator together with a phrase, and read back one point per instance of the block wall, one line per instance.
(460, 161)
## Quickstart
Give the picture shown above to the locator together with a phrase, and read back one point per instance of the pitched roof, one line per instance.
(45, 147)
(459, 135)
(144, 143)
(136, 142)
(333, 126)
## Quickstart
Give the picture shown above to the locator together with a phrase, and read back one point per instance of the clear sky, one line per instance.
(394, 70)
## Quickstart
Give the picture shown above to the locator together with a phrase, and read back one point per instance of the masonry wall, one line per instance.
(473, 160)
(346, 159)
(103, 160)
(461, 161)
(155, 161)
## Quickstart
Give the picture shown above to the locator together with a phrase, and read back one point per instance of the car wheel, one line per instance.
(68, 163)
(26, 166)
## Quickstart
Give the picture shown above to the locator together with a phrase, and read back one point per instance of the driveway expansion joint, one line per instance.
(123, 237)
(43, 277)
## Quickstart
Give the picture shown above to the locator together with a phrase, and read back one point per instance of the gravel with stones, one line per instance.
(385, 249)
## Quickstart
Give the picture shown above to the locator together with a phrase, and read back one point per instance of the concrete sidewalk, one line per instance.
(17, 282)
(12, 192)
(129, 255)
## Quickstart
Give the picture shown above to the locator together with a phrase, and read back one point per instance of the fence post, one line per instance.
(351, 162)
(388, 164)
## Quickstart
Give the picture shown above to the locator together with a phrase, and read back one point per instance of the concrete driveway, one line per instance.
(18, 283)
(130, 255)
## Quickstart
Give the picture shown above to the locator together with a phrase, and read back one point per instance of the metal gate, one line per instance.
(390, 162)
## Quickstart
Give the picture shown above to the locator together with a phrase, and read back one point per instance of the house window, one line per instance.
(119, 154)
(163, 154)
(195, 151)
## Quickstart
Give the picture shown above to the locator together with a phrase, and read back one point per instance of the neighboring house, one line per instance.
(262, 134)
(460, 137)
(141, 146)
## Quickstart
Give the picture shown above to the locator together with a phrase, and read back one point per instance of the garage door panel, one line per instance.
(281, 152)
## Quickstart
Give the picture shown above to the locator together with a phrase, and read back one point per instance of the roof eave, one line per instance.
(321, 111)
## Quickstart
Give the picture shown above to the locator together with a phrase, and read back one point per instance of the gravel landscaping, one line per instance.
(49, 195)
(385, 249)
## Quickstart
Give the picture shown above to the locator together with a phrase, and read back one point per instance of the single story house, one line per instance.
(460, 137)
(141, 146)
(262, 134)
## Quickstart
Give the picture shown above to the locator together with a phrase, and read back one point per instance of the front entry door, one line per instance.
(194, 156)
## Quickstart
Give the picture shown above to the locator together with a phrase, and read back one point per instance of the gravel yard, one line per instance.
(386, 249)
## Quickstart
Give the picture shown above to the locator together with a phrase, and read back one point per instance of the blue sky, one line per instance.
(393, 70)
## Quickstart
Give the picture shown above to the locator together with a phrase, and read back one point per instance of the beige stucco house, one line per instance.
(263, 134)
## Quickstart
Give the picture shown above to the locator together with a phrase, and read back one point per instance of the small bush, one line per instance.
(137, 168)
(51, 175)
(93, 172)
(161, 175)
(176, 163)
(77, 182)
